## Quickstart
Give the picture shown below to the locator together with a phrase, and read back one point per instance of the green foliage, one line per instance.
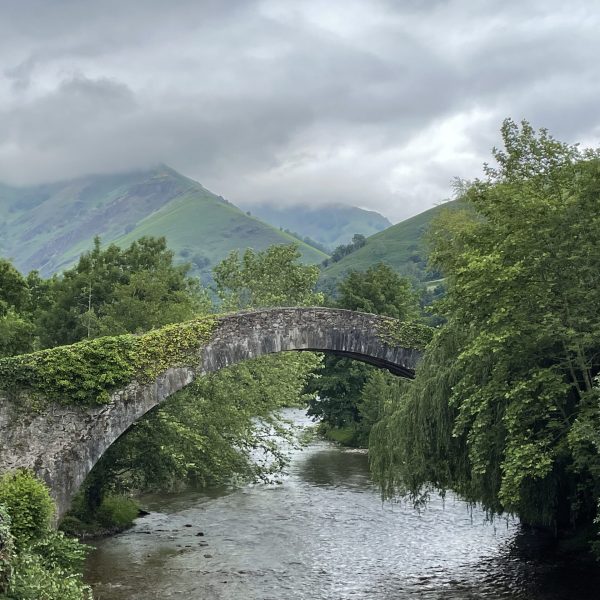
(60, 552)
(16, 326)
(504, 408)
(113, 291)
(13, 288)
(16, 333)
(338, 391)
(408, 334)
(340, 386)
(33, 580)
(117, 511)
(87, 372)
(378, 290)
(377, 398)
(269, 278)
(36, 562)
(30, 508)
(345, 436)
(7, 547)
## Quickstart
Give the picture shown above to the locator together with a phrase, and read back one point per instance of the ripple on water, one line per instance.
(324, 534)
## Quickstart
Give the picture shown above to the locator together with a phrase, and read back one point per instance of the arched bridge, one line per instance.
(61, 438)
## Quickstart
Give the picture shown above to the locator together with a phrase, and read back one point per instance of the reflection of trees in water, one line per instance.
(525, 568)
(334, 468)
(530, 562)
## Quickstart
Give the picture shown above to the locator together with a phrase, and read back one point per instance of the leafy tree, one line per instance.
(378, 290)
(340, 387)
(16, 326)
(13, 287)
(16, 333)
(505, 408)
(112, 291)
(272, 277)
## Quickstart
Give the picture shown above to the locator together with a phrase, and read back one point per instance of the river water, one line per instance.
(322, 532)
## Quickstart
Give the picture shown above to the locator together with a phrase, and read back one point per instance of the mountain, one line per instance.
(329, 225)
(401, 246)
(47, 227)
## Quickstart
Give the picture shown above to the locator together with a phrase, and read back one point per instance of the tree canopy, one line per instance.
(505, 407)
(343, 400)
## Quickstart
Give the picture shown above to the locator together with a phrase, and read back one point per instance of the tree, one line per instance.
(378, 290)
(112, 291)
(272, 277)
(505, 406)
(16, 326)
(13, 287)
(340, 387)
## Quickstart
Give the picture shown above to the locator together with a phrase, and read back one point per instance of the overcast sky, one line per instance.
(376, 103)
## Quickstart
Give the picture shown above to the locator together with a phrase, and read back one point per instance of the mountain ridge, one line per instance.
(47, 227)
(329, 225)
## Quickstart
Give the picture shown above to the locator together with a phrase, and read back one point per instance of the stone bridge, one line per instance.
(62, 441)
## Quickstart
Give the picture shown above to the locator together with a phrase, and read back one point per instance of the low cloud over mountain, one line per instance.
(376, 104)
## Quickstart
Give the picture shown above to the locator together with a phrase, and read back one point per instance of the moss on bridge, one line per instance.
(408, 334)
(87, 372)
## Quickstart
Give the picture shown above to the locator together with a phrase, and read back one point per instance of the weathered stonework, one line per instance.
(62, 443)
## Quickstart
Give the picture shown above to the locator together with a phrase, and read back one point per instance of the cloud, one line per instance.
(373, 103)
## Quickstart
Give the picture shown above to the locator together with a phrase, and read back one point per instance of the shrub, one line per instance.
(88, 371)
(117, 511)
(60, 552)
(29, 506)
(41, 564)
(31, 580)
(6, 547)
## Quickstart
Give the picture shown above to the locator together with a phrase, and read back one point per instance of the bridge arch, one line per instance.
(63, 442)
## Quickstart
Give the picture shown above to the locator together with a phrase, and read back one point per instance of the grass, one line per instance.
(198, 226)
(345, 436)
(401, 246)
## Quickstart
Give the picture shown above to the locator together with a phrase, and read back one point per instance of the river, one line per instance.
(322, 532)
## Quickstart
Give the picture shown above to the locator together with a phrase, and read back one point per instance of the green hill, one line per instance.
(401, 246)
(329, 225)
(47, 227)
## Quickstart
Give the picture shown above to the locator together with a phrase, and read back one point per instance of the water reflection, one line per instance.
(323, 533)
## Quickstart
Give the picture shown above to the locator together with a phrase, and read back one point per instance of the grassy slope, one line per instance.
(196, 228)
(330, 225)
(47, 227)
(400, 246)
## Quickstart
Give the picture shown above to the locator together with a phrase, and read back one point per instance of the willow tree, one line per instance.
(505, 407)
